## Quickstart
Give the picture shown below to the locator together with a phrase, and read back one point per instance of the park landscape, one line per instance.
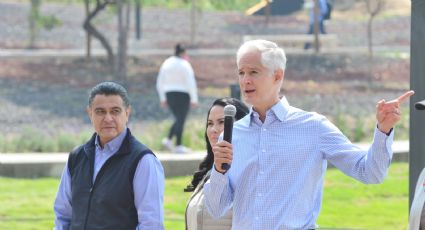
(43, 96)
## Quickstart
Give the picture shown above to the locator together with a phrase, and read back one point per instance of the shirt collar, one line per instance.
(280, 111)
(113, 145)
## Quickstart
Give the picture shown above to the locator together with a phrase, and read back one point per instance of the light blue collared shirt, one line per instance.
(148, 187)
(276, 176)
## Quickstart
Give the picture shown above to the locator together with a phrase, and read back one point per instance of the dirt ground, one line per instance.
(50, 93)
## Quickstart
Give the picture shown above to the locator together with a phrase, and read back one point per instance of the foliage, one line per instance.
(33, 140)
(360, 128)
(47, 22)
(153, 133)
(27, 203)
(357, 129)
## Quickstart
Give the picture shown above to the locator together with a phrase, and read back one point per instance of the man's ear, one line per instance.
(128, 110)
(89, 112)
(279, 75)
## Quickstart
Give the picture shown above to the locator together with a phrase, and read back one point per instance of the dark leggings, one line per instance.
(179, 104)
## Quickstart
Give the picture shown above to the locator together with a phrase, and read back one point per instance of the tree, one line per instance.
(37, 20)
(373, 8)
(117, 63)
(92, 31)
(88, 37)
(33, 18)
(123, 13)
(316, 12)
(195, 11)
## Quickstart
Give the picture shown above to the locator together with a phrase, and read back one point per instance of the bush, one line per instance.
(152, 134)
(357, 129)
(32, 140)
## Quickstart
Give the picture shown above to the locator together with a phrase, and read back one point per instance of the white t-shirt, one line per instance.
(176, 75)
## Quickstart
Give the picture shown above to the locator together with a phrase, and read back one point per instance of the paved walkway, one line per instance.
(192, 52)
(31, 165)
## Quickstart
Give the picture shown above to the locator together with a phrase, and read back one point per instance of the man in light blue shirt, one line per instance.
(113, 181)
(279, 153)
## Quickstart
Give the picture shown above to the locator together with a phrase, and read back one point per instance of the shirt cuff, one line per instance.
(383, 140)
(217, 177)
(391, 130)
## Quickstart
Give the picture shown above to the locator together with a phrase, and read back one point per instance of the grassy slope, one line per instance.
(27, 204)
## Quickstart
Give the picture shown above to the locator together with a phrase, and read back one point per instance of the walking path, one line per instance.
(33, 165)
(192, 52)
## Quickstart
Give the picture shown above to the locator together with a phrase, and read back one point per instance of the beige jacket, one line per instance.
(197, 215)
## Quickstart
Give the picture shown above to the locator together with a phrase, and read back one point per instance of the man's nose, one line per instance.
(245, 79)
(108, 117)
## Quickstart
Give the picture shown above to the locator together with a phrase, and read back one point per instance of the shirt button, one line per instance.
(259, 194)
(261, 172)
(263, 150)
(264, 129)
(256, 218)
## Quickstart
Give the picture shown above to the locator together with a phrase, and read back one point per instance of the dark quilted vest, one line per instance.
(108, 203)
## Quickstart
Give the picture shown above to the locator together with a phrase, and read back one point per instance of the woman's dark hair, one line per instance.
(207, 163)
(179, 49)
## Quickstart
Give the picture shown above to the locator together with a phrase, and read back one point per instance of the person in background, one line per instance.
(176, 86)
(323, 9)
(113, 181)
(279, 153)
(417, 211)
(197, 216)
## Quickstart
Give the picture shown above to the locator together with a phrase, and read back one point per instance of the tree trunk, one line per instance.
(33, 22)
(193, 22)
(373, 7)
(138, 20)
(95, 33)
(316, 11)
(370, 47)
(123, 9)
(88, 37)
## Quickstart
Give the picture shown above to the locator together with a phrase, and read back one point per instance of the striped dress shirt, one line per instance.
(276, 176)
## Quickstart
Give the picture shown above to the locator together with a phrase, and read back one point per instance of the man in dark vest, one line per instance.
(113, 181)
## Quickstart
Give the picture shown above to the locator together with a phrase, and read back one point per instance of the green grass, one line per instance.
(26, 204)
(349, 203)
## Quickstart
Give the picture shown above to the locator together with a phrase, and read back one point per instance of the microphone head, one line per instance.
(419, 105)
(229, 110)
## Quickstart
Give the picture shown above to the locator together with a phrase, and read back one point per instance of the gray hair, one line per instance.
(272, 56)
(109, 88)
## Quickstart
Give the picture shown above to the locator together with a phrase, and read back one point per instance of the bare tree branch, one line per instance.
(87, 25)
(373, 7)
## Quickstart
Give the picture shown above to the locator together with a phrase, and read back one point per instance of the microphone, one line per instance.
(420, 105)
(229, 116)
